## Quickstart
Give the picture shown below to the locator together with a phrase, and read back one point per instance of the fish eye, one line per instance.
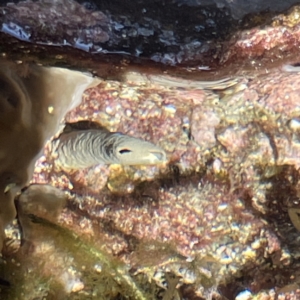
(123, 151)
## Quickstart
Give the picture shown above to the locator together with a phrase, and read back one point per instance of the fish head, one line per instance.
(133, 151)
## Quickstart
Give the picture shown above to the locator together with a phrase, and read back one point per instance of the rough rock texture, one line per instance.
(198, 35)
(219, 221)
(212, 223)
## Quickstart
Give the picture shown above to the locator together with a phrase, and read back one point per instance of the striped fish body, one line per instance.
(85, 148)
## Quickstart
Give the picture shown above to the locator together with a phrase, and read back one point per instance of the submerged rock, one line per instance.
(214, 222)
(206, 219)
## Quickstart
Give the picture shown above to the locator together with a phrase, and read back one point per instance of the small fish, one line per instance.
(78, 148)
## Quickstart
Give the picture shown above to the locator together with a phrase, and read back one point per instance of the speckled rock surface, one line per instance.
(218, 221)
(213, 222)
